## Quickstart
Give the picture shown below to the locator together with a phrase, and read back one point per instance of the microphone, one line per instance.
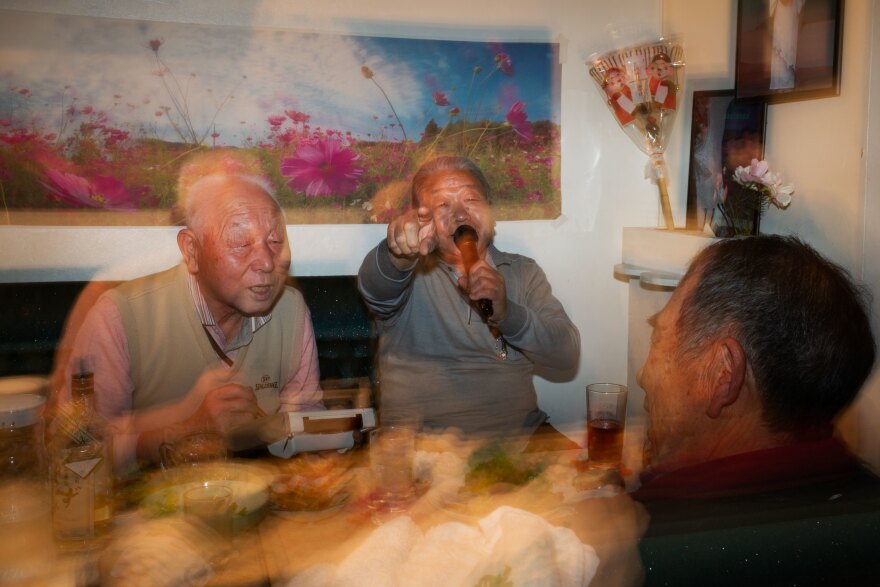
(465, 238)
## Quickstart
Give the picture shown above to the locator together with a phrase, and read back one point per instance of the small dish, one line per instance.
(249, 484)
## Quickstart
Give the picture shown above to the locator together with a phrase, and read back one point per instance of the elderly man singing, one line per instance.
(215, 339)
(462, 326)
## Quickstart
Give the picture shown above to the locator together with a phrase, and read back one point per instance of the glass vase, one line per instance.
(740, 212)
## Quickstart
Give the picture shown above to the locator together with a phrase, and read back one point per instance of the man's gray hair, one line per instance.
(196, 198)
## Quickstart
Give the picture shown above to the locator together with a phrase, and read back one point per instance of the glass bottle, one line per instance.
(22, 450)
(82, 469)
(26, 547)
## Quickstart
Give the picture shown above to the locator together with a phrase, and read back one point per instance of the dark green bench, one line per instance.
(32, 317)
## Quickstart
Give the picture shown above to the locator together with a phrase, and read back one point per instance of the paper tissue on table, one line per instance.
(508, 547)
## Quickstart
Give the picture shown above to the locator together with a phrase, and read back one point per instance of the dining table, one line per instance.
(354, 538)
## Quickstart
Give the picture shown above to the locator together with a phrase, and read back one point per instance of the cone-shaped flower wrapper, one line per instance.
(641, 84)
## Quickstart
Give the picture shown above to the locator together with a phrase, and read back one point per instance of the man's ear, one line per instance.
(726, 374)
(188, 245)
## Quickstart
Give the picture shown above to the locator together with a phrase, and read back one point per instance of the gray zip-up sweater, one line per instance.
(438, 356)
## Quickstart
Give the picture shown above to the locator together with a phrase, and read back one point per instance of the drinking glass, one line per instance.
(392, 450)
(211, 504)
(606, 418)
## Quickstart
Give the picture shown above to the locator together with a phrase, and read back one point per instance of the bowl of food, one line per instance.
(312, 485)
(247, 481)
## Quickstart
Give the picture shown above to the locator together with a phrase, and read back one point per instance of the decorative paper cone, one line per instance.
(641, 85)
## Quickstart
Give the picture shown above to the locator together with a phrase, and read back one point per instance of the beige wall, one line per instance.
(823, 146)
(815, 144)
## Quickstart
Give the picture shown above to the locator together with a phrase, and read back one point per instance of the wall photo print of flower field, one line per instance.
(97, 116)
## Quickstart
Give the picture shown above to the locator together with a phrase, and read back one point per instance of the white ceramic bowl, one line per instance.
(249, 482)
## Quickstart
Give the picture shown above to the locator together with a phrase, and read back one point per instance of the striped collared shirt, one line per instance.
(248, 327)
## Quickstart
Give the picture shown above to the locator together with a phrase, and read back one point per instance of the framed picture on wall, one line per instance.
(338, 122)
(725, 134)
(788, 50)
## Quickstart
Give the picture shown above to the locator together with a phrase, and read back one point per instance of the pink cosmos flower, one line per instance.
(759, 178)
(322, 169)
(440, 99)
(504, 63)
(114, 135)
(454, 111)
(17, 137)
(286, 137)
(754, 173)
(519, 120)
(102, 192)
(296, 116)
(275, 121)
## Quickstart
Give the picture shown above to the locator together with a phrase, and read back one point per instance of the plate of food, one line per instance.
(495, 475)
(312, 486)
(248, 482)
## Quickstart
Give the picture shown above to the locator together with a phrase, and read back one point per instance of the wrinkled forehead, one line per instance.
(449, 183)
(224, 199)
(210, 189)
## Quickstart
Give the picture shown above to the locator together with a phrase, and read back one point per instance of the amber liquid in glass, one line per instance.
(605, 442)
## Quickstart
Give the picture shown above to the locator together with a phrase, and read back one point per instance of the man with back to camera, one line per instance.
(461, 335)
(218, 338)
(756, 353)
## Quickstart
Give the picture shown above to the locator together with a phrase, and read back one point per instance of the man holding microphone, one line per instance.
(463, 327)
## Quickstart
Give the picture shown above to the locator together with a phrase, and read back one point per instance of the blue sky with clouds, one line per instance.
(232, 78)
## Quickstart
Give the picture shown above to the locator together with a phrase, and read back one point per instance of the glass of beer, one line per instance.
(606, 417)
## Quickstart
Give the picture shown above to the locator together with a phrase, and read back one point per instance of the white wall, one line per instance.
(602, 172)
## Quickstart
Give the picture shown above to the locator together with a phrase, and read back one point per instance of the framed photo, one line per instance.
(788, 50)
(725, 134)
